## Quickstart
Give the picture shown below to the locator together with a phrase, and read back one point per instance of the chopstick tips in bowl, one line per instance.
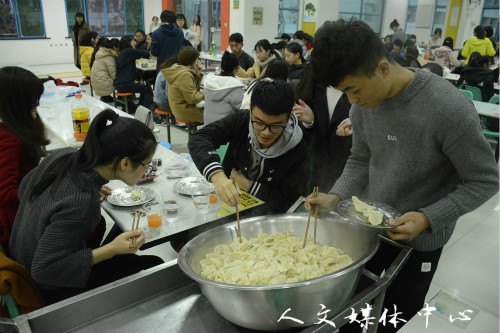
(237, 210)
(315, 195)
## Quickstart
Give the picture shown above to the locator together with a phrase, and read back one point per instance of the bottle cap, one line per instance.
(78, 95)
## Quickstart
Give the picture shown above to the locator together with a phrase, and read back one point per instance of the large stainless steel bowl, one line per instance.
(260, 307)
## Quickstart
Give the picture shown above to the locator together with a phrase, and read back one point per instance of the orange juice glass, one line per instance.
(154, 220)
(153, 214)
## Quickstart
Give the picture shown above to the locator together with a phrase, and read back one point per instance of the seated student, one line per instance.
(223, 92)
(414, 59)
(184, 78)
(412, 39)
(276, 70)
(444, 55)
(236, 45)
(97, 47)
(433, 68)
(103, 72)
(22, 139)
(60, 208)
(148, 41)
(265, 53)
(140, 40)
(266, 152)
(397, 48)
(294, 58)
(322, 111)
(126, 71)
(478, 74)
(86, 49)
(286, 38)
(436, 40)
(280, 47)
(478, 43)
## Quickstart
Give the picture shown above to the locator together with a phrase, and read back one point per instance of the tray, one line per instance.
(193, 186)
(121, 196)
(346, 208)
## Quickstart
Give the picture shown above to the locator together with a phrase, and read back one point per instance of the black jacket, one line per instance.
(284, 178)
(329, 152)
(478, 77)
(296, 73)
(125, 65)
(245, 60)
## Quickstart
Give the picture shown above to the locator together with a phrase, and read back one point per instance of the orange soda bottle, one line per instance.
(80, 114)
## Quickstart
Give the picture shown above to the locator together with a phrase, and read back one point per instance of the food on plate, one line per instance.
(136, 195)
(374, 217)
(271, 259)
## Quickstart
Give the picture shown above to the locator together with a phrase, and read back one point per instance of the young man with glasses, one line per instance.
(266, 154)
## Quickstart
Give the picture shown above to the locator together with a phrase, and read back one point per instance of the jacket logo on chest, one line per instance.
(392, 138)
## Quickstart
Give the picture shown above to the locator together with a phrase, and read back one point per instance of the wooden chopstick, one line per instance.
(237, 212)
(131, 240)
(315, 195)
(316, 189)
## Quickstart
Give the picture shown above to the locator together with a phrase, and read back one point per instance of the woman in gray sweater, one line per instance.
(60, 210)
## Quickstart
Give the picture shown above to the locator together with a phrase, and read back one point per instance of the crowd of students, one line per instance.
(328, 114)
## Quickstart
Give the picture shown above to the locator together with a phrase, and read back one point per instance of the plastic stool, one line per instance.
(167, 114)
(125, 99)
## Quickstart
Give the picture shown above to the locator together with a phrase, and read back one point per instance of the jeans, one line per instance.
(146, 93)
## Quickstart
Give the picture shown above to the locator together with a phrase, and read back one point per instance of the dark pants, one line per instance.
(105, 272)
(146, 93)
(407, 291)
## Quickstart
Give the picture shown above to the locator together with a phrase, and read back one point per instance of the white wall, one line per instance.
(268, 30)
(237, 19)
(57, 48)
(394, 9)
(328, 11)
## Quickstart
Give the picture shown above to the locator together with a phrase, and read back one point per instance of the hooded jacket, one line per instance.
(478, 77)
(85, 57)
(167, 40)
(103, 71)
(223, 94)
(280, 177)
(444, 56)
(474, 44)
(183, 94)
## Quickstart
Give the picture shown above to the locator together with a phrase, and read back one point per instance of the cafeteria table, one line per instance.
(453, 78)
(487, 109)
(208, 57)
(56, 116)
(189, 219)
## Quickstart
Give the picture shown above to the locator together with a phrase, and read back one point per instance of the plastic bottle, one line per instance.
(213, 48)
(81, 117)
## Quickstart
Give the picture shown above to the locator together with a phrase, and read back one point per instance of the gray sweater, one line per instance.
(49, 233)
(422, 150)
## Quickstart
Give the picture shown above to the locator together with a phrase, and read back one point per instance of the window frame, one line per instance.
(282, 9)
(361, 14)
(406, 23)
(18, 23)
(495, 36)
(105, 10)
(434, 18)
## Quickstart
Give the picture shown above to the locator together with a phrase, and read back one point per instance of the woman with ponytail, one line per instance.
(22, 139)
(60, 209)
(265, 53)
(478, 43)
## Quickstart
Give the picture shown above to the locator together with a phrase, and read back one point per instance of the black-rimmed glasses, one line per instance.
(148, 167)
(274, 129)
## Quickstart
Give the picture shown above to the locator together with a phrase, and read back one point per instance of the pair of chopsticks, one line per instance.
(237, 210)
(135, 224)
(315, 195)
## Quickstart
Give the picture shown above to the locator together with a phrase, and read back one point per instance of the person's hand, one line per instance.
(122, 244)
(241, 180)
(303, 112)
(345, 128)
(325, 202)
(225, 189)
(199, 67)
(104, 192)
(408, 226)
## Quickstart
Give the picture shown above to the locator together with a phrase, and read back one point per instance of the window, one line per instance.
(288, 17)
(369, 11)
(21, 19)
(439, 13)
(490, 16)
(107, 17)
(411, 15)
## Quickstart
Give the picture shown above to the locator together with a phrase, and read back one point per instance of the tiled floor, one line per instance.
(469, 266)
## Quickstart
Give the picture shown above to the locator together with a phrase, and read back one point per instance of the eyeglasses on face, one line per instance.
(148, 167)
(260, 126)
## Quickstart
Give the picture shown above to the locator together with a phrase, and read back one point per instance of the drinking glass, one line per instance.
(201, 202)
(154, 214)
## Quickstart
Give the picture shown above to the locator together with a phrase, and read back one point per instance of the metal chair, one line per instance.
(90, 85)
(125, 99)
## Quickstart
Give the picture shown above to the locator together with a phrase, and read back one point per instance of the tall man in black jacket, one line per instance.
(266, 154)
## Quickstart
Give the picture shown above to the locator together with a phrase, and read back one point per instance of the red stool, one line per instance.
(90, 85)
(167, 115)
(124, 101)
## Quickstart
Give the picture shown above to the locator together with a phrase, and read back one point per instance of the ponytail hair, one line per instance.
(394, 24)
(295, 48)
(110, 139)
(266, 46)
